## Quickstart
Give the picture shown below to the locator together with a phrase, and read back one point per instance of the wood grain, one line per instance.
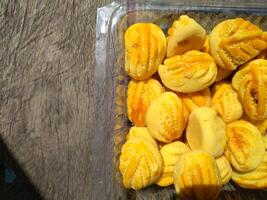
(48, 100)
(46, 58)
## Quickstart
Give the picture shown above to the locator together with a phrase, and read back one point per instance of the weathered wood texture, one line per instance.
(46, 56)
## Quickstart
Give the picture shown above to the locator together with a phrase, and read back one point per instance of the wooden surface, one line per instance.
(45, 77)
(46, 103)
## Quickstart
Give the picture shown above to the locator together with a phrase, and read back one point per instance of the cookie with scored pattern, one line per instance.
(196, 176)
(140, 95)
(170, 154)
(166, 117)
(140, 163)
(255, 179)
(224, 168)
(245, 148)
(226, 102)
(251, 84)
(191, 72)
(234, 42)
(145, 49)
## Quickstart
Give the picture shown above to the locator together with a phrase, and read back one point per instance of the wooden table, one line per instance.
(46, 56)
(46, 70)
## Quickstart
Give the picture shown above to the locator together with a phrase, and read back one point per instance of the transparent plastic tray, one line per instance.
(109, 123)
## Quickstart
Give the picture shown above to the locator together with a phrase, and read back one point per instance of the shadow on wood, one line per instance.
(14, 183)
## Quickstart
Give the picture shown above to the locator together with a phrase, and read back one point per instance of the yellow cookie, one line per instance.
(145, 49)
(184, 35)
(140, 94)
(196, 99)
(251, 84)
(245, 147)
(255, 179)
(140, 163)
(206, 131)
(226, 102)
(170, 154)
(166, 117)
(222, 74)
(196, 176)
(261, 125)
(190, 72)
(140, 132)
(233, 42)
(225, 169)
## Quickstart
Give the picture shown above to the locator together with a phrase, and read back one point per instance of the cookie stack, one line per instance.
(198, 105)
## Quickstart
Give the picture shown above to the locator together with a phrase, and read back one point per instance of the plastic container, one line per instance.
(109, 123)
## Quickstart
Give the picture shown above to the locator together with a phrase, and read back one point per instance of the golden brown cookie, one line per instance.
(233, 42)
(185, 34)
(140, 163)
(245, 147)
(255, 179)
(226, 102)
(196, 176)
(140, 94)
(145, 49)
(136, 132)
(166, 117)
(225, 169)
(190, 72)
(196, 99)
(170, 154)
(251, 84)
(206, 131)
